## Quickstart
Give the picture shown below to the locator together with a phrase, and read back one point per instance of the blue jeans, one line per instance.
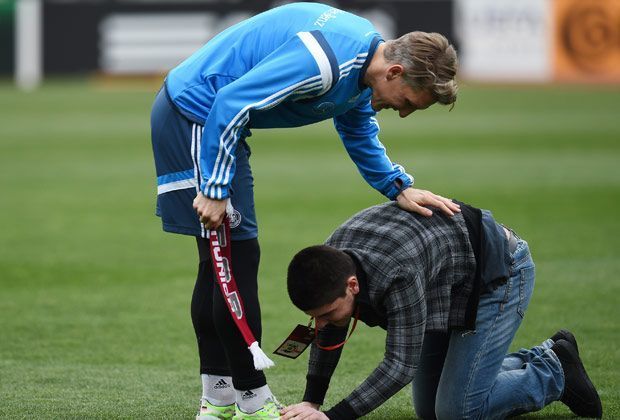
(469, 376)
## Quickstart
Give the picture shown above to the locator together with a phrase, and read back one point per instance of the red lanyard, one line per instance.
(335, 346)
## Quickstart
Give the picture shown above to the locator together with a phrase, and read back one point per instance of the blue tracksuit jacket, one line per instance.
(290, 66)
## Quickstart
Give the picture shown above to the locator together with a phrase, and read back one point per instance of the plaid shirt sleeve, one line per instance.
(322, 363)
(405, 307)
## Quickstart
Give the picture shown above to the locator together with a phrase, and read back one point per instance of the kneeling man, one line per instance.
(451, 293)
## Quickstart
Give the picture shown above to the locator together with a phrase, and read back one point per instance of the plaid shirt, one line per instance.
(417, 275)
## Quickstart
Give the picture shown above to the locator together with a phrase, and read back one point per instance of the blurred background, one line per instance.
(525, 41)
(94, 297)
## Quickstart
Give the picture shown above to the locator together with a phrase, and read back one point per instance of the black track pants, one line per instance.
(220, 344)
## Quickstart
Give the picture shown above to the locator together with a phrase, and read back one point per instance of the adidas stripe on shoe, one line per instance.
(209, 411)
(270, 410)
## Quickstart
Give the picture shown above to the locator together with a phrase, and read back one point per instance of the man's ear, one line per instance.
(394, 71)
(353, 285)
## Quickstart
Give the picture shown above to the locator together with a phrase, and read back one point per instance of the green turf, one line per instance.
(94, 298)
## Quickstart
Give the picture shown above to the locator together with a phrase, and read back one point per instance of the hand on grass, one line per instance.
(210, 211)
(303, 410)
(412, 199)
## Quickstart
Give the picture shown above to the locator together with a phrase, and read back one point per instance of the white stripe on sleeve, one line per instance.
(320, 57)
(228, 136)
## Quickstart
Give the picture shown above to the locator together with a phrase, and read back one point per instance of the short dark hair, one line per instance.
(318, 275)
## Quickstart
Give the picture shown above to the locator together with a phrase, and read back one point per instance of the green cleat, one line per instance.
(271, 410)
(209, 411)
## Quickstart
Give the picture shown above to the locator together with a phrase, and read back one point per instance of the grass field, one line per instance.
(94, 297)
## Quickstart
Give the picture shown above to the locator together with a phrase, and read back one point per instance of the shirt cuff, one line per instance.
(215, 193)
(399, 184)
(341, 411)
(316, 388)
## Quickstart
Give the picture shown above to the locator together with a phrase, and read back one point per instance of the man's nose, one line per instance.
(320, 323)
(404, 112)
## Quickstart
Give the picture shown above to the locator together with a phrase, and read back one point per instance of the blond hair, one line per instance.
(429, 61)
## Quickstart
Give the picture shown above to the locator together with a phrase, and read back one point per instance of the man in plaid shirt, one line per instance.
(451, 293)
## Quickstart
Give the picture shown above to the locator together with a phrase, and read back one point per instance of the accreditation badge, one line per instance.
(297, 341)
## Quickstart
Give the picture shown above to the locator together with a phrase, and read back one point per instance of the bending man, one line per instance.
(451, 293)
